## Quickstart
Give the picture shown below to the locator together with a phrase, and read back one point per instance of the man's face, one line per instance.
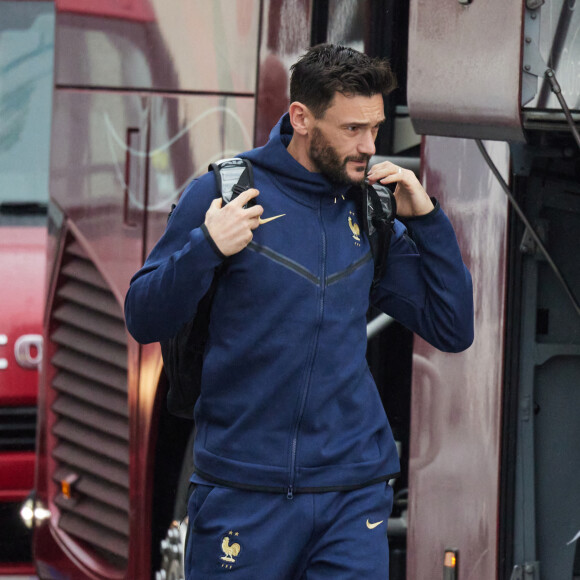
(343, 140)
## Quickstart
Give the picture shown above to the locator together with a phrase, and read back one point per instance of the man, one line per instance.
(293, 450)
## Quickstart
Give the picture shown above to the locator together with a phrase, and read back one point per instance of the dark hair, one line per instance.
(326, 69)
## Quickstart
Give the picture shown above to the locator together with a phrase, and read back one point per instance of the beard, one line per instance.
(327, 161)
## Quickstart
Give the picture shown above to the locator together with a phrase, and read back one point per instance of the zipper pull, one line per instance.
(290, 494)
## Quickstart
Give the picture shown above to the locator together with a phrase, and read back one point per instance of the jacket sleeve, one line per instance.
(163, 295)
(426, 285)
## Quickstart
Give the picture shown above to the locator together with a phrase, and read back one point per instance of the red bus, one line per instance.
(26, 64)
(146, 95)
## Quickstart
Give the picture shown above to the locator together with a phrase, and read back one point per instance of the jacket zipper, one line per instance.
(290, 492)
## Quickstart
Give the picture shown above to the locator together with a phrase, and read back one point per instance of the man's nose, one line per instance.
(367, 143)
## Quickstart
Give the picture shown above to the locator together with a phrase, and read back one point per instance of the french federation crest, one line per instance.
(354, 227)
(230, 549)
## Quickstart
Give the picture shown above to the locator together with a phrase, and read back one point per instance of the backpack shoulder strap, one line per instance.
(183, 354)
(233, 175)
(379, 215)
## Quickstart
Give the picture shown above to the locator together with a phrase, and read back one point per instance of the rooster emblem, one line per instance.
(354, 229)
(230, 551)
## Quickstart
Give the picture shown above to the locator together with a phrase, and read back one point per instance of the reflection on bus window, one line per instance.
(26, 61)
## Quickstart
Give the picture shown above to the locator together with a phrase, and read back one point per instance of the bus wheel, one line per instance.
(172, 551)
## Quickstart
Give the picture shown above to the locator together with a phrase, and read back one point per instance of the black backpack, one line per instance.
(183, 354)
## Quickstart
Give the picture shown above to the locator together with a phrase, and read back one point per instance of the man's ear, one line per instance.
(300, 118)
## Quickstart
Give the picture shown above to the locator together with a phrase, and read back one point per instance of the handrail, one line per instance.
(378, 324)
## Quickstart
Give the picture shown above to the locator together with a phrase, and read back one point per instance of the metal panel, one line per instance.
(547, 494)
(183, 45)
(464, 68)
(456, 398)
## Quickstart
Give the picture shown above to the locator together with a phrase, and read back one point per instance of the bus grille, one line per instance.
(17, 428)
(90, 409)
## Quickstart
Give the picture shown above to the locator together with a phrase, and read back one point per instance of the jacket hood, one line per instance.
(291, 174)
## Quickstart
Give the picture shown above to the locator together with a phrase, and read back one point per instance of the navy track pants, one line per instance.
(250, 535)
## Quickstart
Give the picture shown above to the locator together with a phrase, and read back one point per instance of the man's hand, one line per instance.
(231, 226)
(412, 199)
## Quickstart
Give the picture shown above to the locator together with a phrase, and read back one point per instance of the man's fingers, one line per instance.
(412, 199)
(245, 197)
(216, 203)
(386, 172)
(254, 212)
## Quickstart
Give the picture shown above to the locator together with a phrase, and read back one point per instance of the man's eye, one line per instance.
(351, 128)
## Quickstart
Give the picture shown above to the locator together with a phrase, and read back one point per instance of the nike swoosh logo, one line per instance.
(373, 526)
(270, 219)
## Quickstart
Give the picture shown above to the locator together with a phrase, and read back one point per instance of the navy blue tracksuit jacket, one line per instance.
(288, 403)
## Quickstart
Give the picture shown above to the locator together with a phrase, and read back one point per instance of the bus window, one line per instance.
(26, 53)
